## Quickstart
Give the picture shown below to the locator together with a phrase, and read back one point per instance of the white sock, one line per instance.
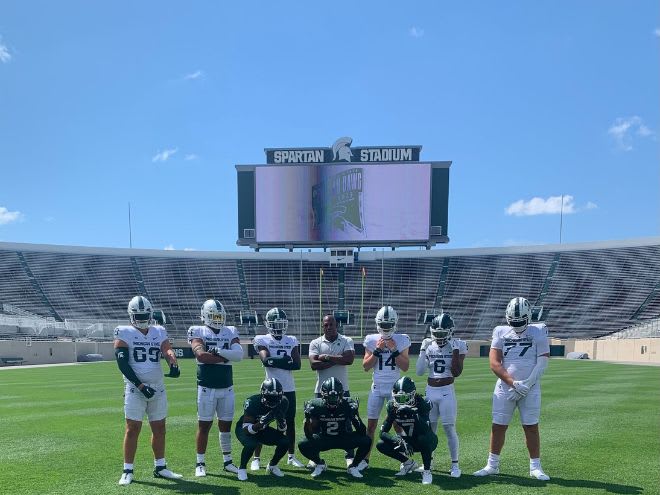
(159, 462)
(535, 463)
(452, 441)
(493, 460)
(201, 457)
(128, 465)
(225, 443)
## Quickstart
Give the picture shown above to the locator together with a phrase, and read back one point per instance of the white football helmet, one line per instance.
(213, 314)
(140, 312)
(386, 320)
(276, 322)
(519, 314)
(442, 328)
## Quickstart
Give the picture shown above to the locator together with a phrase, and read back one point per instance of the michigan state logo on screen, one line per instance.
(337, 202)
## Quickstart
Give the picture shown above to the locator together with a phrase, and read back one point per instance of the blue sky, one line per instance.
(153, 103)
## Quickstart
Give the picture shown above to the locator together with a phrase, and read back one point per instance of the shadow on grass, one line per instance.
(184, 486)
(466, 482)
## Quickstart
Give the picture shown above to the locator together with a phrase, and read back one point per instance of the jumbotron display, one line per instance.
(350, 202)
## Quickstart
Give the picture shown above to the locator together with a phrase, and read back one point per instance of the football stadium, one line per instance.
(64, 312)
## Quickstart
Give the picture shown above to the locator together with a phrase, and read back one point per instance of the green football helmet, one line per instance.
(404, 391)
(442, 328)
(276, 322)
(271, 392)
(332, 392)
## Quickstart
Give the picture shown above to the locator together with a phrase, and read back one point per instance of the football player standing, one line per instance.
(442, 356)
(329, 356)
(333, 422)
(253, 427)
(280, 356)
(138, 348)
(519, 355)
(215, 346)
(409, 411)
(386, 353)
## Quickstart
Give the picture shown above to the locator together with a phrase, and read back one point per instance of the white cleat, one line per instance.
(126, 477)
(255, 465)
(163, 472)
(311, 465)
(230, 467)
(275, 471)
(539, 474)
(487, 471)
(427, 477)
(200, 470)
(355, 472)
(319, 469)
(349, 461)
(407, 467)
(292, 461)
(455, 471)
(242, 474)
(363, 465)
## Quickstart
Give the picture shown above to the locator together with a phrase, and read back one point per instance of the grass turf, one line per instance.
(61, 432)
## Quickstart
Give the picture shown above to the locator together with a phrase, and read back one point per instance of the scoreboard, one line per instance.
(317, 202)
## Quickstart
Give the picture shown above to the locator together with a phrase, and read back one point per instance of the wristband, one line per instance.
(395, 354)
(250, 428)
(377, 352)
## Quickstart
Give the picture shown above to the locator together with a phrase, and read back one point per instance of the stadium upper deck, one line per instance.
(586, 290)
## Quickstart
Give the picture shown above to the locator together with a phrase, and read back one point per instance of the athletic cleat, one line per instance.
(255, 465)
(355, 472)
(364, 464)
(455, 471)
(163, 472)
(275, 471)
(311, 465)
(349, 461)
(126, 477)
(539, 474)
(319, 469)
(200, 470)
(427, 477)
(292, 461)
(229, 467)
(487, 471)
(406, 467)
(242, 474)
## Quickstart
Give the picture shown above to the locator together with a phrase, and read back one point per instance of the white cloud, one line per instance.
(194, 75)
(191, 156)
(416, 32)
(5, 56)
(656, 32)
(169, 247)
(591, 205)
(625, 128)
(540, 206)
(7, 216)
(163, 156)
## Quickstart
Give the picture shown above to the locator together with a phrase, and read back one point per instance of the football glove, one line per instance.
(147, 391)
(175, 372)
(425, 344)
(512, 395)
(402, 447)
(521, 388)
(316, 436)
(454, 345)
(267, 418)
(281, 424)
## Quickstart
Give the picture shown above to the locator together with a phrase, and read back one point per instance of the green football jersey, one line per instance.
(332, 422)
(413, 420)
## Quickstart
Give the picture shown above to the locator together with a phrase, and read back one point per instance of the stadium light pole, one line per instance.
(561, 217)
(130, 230)
(320, 302)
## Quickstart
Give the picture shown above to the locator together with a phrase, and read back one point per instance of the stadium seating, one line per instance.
(587, 290)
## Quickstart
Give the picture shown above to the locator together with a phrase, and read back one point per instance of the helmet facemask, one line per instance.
(271, 393)
(386, 320)
(442, 335)
(277, 328)
(518, 314)
(140, 312)
(213, 314)
(332, 399)
(402, 398)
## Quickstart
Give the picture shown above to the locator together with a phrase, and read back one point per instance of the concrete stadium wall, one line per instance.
(43, 352)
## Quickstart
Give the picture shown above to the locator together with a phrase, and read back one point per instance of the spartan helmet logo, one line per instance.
(341, 150)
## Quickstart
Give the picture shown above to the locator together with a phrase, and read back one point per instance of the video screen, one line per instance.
(347, 202)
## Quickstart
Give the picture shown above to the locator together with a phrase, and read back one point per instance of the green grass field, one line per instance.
(61, 432)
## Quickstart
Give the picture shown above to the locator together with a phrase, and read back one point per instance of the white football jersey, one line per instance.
(222, 339)
(144, 351)
(277, 349)
(438, 359)
(386, 370)
(521, 350)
